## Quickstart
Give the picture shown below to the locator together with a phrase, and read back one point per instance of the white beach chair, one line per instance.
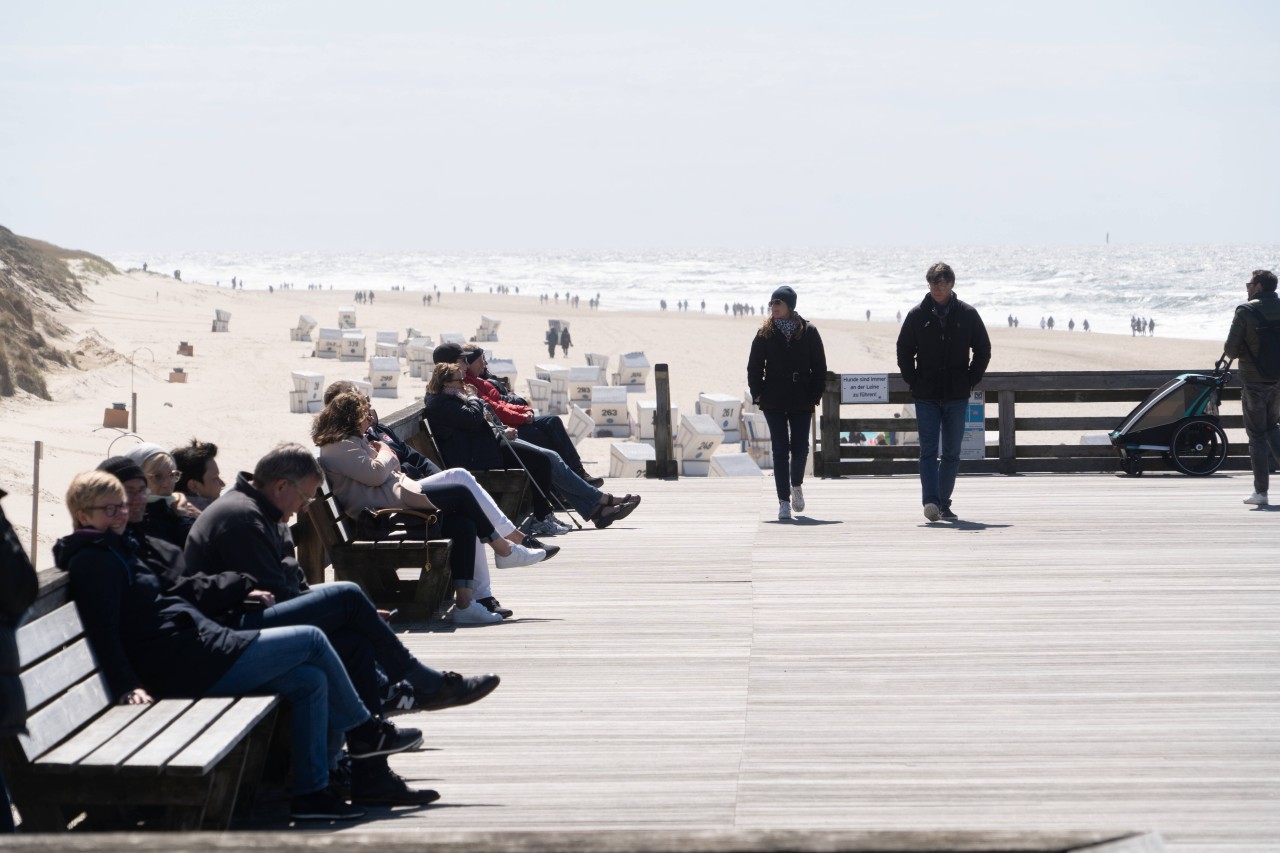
(757, 440)
(308, 388)
(580, 424)
(633, 371)
(221, 320)
(609, 411)
(329, 343)
(699, 437)
(733, 465)
(346, 317)
(725, 410)
(384, 376)
(645, 412)
(386, 345)
(628, 458)
(488, 330)
(352, 345)
(302, 332)
(581, 380)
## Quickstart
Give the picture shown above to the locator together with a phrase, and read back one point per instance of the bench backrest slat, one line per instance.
(51, 676)
(328, 520)
(219, 739)
(71, 752)
(177, 736)
(49, 633)
(64, 715)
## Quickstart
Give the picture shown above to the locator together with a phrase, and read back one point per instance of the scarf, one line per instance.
(787, 327)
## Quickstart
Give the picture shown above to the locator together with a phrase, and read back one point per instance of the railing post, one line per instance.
(664, 467)
(1008, 434)
(35, 502)
(826, 462)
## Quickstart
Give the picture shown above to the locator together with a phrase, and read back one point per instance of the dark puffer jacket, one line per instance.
(18, 587)
(934, 357)
(787, 375)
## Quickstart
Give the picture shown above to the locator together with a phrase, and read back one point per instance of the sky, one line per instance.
(432, 126)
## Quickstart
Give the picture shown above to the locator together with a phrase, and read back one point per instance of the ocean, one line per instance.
(1189, 291)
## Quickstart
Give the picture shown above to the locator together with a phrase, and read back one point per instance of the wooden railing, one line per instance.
(1005, 391)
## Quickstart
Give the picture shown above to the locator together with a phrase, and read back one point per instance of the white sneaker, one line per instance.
(1257, 499)
(784, 511)
(932, 512)
(474, 613)
(797, 498)
(519, 556)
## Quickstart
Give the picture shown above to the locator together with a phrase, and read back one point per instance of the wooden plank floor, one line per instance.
(1079, 652)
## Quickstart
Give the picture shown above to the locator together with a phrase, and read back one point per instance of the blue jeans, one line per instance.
(357, 633)
(939, 419)
(299, 664)
(580, 493)
(789, 436)
(548, 431)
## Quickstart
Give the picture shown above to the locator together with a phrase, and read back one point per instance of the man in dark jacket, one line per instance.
(1259, 392)
(18, 587)
(943, 351)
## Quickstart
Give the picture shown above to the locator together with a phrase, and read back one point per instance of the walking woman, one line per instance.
(786, 373)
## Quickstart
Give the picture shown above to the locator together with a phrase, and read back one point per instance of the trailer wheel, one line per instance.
(1198, 448)
(1132, 465)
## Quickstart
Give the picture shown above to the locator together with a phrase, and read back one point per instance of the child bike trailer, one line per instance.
(1179, 420)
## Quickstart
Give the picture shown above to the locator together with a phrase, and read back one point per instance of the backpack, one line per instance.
(1267, 358)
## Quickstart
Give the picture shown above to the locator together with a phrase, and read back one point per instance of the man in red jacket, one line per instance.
(546, 431)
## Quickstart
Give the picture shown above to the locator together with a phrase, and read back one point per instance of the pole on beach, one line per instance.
(133, 411)
(35, 501)
(664, 466)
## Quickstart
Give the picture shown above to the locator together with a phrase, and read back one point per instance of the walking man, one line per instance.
(943, 350)
(1260, 389)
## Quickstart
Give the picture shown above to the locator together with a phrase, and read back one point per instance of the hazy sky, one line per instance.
(436, 126)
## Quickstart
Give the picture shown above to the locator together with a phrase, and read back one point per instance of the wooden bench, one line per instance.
(509, 487)
(375, 565)
(84, 753)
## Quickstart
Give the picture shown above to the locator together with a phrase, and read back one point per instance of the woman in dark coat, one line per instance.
(786, 372)
(18, 588)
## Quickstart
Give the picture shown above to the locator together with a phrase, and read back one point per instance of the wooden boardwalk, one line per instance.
(1080, 652)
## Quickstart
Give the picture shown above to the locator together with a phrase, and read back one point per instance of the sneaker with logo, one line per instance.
(784, 511)
(520, 555)
(797, 498)
(474, 613)
(399, 699)
(1257, 499)
(381, 737)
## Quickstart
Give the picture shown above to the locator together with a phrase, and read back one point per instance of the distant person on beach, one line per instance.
(1151, 326)
(1085, 325)
(1253, 340)
(943, 352)
(552, 339)
(565, 341)
(786, 374)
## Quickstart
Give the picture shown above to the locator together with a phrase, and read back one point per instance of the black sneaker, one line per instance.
(380, 737)
(398, 699)
(340, 777)
(380, 786)
(323, 805)
(531, 542)
(491, 604)
(594, 481)
(945, 514)
(457, 690)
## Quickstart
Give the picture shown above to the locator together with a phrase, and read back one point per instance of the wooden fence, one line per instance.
(1006, 391)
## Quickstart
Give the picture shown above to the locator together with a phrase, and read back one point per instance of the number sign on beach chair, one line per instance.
(699, 438)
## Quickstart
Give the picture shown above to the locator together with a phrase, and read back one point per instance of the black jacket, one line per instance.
(787, 375)
(463, 434)
(412, 463)
(143, 637)
(242, 532)
(934, 358)
(162, 521)
(18, 588)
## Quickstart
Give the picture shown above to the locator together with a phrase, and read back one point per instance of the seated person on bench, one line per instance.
(350, 623)
(366, 475)
(459, 421)
(169, 515)
(546, 431)
(148, 642)
(199, 478)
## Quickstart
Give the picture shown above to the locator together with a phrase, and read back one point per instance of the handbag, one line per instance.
(383, 525)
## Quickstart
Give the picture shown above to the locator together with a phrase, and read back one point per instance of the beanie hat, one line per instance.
(140, 454)
(787, 295)
(446, 354)
(124, 468)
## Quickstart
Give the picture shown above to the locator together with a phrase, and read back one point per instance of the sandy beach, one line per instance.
(236, 393)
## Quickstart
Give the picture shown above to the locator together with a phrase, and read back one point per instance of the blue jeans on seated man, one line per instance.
(580, 493)
(939, 420)
(299, 664)
(358, 634)
(789, 439)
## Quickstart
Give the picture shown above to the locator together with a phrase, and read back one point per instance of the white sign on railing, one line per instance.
(974, 443)
(864, 387)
